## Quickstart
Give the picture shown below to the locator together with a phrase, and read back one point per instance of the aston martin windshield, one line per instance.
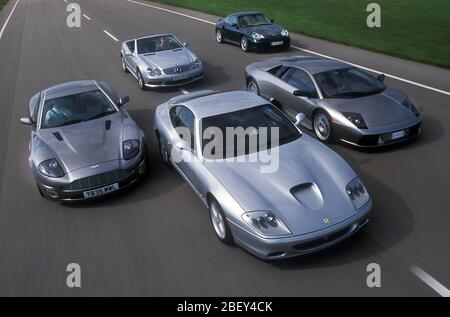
(260, 122)
(253, 20)
(348, 83)
(76, 108)
(157, 44)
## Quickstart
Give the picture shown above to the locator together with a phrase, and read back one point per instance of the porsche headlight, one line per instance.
(284, 32)
(357, 193)
(356, 118)
(257, 36)
(130, 149)
(153, 72)
(51, 168)
(196, 64)
(409, 104)
(266, 223)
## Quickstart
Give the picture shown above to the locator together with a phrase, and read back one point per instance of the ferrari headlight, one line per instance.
(284, 32)
(153, 72)
(196, 64)
(357, 193)
(51, 168)
(130, 149)
(266, 223)
(409, 104)
(356, 118)
(257, 36)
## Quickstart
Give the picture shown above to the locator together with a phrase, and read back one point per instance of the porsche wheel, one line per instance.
(220, 223)
(252, 87)
(219, 36)
(322, 127)
(124, 65)
(244, 44)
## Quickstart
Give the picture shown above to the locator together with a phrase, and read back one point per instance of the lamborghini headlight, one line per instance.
(356, 118)
(266, 223)
(51, 168)
(357, 193)
(130, 149)
(257, 36)
(284, 32)
(154, 72)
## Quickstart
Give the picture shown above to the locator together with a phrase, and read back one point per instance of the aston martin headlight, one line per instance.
(130, 149)
(51, 168)
(357, 193)
(153, 72)
(409, 104)
(257, 36)
(284, 32)
(266, 223)
(196, 64)
(356, 118)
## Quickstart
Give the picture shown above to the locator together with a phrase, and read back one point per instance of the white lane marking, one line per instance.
(308, 51)
(87, 17)
(430, 281)
(111, 36)
(7, 19)
(184, 91)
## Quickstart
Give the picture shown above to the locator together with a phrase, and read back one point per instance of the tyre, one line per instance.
(244, 44)
(124, 65)
(323, 127)
(219, 36)
(252, 87)
(220, 223)
(164, 153)
(140, 80)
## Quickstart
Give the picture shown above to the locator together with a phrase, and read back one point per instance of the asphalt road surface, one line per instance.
(155, 239)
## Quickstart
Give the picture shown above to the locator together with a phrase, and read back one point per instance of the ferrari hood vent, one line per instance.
(309, 195)
(58, 136)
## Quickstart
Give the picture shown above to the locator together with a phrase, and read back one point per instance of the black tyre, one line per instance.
(220, 223)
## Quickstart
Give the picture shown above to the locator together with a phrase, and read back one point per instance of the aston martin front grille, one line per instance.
(98, 180)
(177, 69)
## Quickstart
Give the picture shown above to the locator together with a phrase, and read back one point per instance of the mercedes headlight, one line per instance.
(257, 36)
(284, 32)
(356, 118)
(130, 149)
(196, 64)
(357, 193)
(266, 223)
(51, 168)
(409, 104)
(153, 72)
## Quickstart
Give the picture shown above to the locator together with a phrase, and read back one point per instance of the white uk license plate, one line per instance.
(101, 191)
(277, 43)
(398, 135)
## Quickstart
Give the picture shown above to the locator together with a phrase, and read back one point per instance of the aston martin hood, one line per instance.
(169, 58)
(87, 143)
(308, 186)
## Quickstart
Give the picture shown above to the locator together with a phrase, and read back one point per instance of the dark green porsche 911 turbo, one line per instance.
(252, 31)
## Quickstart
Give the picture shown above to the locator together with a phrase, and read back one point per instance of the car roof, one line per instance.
(312, 64)
(245, 13)
(216, 103)
(70, 88)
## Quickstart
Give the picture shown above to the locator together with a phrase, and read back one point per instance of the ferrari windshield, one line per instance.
(76, 108)
(253, 20)
(348, 83)
(157, 44)
(256, 129)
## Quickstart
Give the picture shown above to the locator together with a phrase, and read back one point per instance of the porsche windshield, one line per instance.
(157, 44)
(348, 83)
(76, 108)
(256, 129)
(253, 20)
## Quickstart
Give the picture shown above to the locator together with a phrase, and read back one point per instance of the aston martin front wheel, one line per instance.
(219, 36)
(244, 44)
(322, 127)
(220, 223)
(124, 65)
(252, 87)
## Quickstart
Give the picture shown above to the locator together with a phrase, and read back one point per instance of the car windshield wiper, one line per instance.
(69, 122)
(100, 115)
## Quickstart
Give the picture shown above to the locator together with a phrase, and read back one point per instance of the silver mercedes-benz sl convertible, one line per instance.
(287, 196)
(83, 142)
(340, 101)
(160, 61)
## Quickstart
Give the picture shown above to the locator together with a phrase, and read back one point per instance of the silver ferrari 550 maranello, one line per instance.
(340, 101)
(83, 142)
(287, 196)
(160, 61)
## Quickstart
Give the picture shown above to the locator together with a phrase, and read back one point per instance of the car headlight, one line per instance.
(257, 36)
(409, 104)
(51, 168)
(153, 72)
(266, 223)
(357, 193)
(284, 32)
(196, 64)
(356, 118)
(130, 149)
